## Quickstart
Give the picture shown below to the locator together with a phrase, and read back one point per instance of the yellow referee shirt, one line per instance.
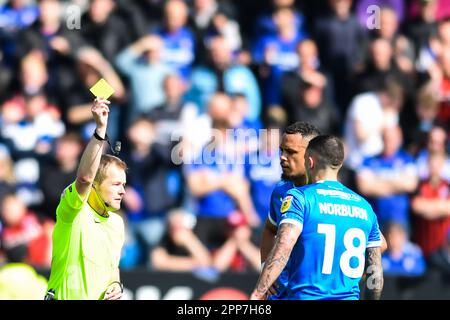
(86, 249)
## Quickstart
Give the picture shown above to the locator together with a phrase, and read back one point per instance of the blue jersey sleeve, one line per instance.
(374, 235)
(273, 217)
(293, 208)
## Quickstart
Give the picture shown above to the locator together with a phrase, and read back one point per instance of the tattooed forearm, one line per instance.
(276, 261)
(374, 272)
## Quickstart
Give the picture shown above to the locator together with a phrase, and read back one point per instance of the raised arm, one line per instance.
(90, 159)
(276, 261)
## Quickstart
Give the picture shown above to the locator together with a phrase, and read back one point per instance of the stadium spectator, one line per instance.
(368, 115)
(154, 185)
(180, 249)
(309, 70)
(103, 29)
(265, 24)
(423, 26)
(313, 108)
(381, 65)
(209, 18)
(142, 63)
(426, 110)
(15, 15)
(263, 170)
(59, 170)
(91, 67)
(169, 116)
(342, 43)
(436, 144)
(178, 49)
(24, 238)
(402, 258)
(431, 206)
(224, 211)
(31, 124)
(276, 54)
(389, 30)
(388, 178)
(59, 44)
(221, 74)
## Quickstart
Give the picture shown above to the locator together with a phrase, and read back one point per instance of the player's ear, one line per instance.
(311, 162)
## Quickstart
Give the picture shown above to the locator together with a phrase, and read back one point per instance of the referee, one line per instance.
(88, 235)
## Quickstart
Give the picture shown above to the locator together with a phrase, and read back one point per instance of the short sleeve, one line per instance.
(374, 235)
(293, 208)
(70, 204)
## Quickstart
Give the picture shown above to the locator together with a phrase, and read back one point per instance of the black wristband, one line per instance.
(96, 136)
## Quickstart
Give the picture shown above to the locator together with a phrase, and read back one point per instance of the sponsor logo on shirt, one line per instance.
(286, 204)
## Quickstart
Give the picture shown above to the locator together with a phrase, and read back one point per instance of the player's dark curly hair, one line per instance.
(328, 149)
(305, 129)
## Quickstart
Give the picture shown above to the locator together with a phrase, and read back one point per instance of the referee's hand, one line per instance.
(113, 292)
(100, 111)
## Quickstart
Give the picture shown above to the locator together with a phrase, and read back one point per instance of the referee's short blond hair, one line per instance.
(106, 161)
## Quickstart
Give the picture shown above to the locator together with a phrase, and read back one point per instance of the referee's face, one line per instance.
(292, 159)
(112, 189)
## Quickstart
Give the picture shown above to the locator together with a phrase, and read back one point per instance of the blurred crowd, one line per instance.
(203, 90)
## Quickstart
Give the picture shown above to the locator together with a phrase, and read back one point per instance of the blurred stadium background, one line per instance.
(375, 72)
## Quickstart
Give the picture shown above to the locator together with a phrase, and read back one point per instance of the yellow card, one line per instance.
(102, 89)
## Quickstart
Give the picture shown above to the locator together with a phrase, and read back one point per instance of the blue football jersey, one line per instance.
(328, 260)
(275, 217)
